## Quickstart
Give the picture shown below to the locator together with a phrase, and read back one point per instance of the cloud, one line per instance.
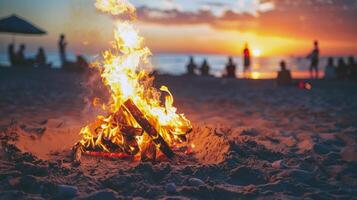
(171, 5)
(300, 19)
(252, 7)
(174, 17)
(214, 4)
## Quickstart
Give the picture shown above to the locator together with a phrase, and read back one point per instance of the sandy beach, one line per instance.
(251, 138)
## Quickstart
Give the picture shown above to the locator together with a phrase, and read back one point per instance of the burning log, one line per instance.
(108, 154)
(148, 153)
(115, 152)
(131, 131)
(129, 149)
(125, 130)
(148, 128)
(109, 145)
(131, 145)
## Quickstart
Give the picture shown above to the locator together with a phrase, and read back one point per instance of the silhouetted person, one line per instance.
(62, 44)
(314, 60)
(352, 68)
(330, 69)
(191, 67)
(41, 59)
(11, 54)
(205, 68)
(342, 69)
(20, 56)
(246, 60)
(231, 68)
(284, 75)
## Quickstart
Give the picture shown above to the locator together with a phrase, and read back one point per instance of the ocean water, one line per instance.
(175, 64)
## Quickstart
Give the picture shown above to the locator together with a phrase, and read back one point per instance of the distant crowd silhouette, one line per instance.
(230, 69)
(18, 59)
(192, 68)
(343, 70)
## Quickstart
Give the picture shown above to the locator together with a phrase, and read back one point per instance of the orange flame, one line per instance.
(121, 71)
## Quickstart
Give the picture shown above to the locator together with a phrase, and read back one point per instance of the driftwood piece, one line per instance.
(148, 128)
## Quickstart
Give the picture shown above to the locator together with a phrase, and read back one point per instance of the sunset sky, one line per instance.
(274, 27)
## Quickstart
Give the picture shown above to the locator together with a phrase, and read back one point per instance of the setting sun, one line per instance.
(257, 52)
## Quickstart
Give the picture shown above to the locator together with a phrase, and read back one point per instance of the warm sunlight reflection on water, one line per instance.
(255, 75)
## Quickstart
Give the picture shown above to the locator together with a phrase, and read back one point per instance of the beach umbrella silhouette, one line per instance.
(16, 25)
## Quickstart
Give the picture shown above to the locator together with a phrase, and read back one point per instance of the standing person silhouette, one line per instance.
(191, 67)
(314, 60)
(352, 68)
(342, 69)
(11, 54)
(231, 68)
(62, 44)
(205, 68)
(330, 69)
(20, 55)
(246, 60)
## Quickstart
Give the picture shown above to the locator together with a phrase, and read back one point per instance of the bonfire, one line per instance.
(141, 121)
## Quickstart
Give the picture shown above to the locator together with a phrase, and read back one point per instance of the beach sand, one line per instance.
(252, 139)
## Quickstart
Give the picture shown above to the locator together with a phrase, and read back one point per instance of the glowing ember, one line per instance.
(138, 122)
(304, 85)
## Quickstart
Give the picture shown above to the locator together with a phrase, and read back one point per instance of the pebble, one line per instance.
(300, 175)
(195, 182)
(321, 149)
(31, 169)
(106, 194)
(332, 158)
(245, 175)
(67, 191)
(171, 188)
(30, 183)
(279, 164)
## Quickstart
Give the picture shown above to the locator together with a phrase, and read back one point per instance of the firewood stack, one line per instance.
(130, 148)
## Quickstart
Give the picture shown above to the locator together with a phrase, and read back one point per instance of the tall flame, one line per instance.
(121, 71)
